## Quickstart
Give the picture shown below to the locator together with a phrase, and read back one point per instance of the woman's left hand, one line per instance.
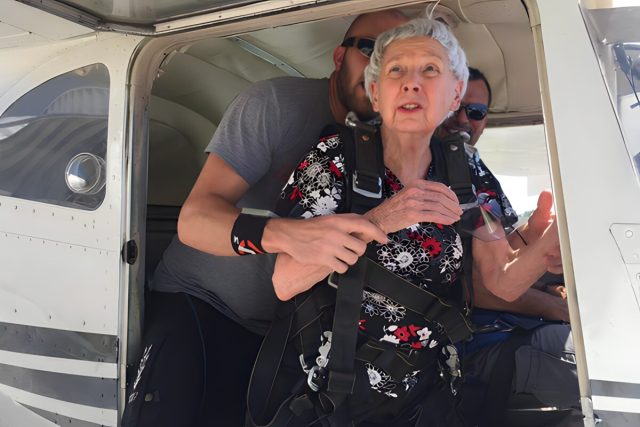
(418, 201)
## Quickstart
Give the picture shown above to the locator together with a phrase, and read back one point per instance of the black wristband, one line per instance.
(246, 234)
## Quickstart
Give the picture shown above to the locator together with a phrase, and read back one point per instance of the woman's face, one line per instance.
(416, 88)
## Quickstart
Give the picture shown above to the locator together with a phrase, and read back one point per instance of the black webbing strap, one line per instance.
(307, 328)
(501, 380)
(303, 313)
(364, 166)
(265, 371)
(467, 266)
(344, 337)
(369, 166)
(456, 161)
(387, 357)
(416, 299)
(457, 164)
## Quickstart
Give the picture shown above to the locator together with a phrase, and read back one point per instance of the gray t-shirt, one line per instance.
(264, 133)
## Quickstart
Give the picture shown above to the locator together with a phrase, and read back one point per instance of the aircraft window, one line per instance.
(517, 155)
(615, 36)
(53, 141)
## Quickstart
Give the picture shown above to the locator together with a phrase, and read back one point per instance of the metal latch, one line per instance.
(130, 252)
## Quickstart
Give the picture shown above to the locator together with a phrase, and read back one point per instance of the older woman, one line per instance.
(416, 77)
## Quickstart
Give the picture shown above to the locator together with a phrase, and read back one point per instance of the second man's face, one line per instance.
(477, 93)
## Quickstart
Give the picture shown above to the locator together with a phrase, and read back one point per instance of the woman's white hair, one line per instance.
(419, 27)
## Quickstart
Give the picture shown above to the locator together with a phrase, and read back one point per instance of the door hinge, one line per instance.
(130, 252)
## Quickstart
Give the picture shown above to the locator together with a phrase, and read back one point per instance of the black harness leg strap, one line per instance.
(265, 371)
(341, 376)
(500, 383)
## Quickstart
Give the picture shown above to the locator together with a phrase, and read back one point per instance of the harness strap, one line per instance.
(263, 376)
(387, 358)
(306, 327)
(332, 386)
(456, 162)
(416, 299)
(458, 177)
(369, 165)
(341, 379)
(365, 167)
(500, 383)
(310, 305)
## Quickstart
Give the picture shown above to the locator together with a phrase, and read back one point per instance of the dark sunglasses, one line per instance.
(475, 111)
(365, 46)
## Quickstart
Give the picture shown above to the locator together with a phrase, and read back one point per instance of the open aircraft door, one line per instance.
(74, 114)
(592, 132)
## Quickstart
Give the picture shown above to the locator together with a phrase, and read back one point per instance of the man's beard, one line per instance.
(353, 100)
(361, 106)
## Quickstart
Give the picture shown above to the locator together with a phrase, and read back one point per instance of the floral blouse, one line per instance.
(428, 255)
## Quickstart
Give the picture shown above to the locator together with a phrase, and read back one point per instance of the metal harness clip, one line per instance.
(316, 378)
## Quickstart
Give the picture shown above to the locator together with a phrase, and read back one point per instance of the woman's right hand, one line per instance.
(419, 201)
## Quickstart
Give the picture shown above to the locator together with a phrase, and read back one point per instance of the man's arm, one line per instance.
(533, 302)
(239, 155)
(508, 273)
(208, 215)
(209, 212)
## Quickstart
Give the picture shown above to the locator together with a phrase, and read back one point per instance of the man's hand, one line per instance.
(557, 290)
(556, 309)
(333, 241)
(541, 218)
(553, 257)
(419, 201)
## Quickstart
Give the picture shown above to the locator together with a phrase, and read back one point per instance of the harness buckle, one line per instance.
(367, 186)
(331, 280)
(450, 370)
(317, 378)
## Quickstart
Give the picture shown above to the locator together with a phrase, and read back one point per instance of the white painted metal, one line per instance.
(62, 267)
(54, 283)
(79, 249)
(13, 414)
(59, 365)
(616, 404)
(105, 417)
(23, 25)
(599, 188)
(236, 13)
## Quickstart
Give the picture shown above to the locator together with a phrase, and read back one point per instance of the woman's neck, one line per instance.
(407, 155)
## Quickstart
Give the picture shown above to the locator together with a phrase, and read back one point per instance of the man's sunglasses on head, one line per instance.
(475, 111)
(365, 46)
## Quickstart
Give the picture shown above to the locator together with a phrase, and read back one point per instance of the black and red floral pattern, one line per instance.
(428, 255)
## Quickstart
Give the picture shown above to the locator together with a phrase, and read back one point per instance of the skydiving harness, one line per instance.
(320, 396)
